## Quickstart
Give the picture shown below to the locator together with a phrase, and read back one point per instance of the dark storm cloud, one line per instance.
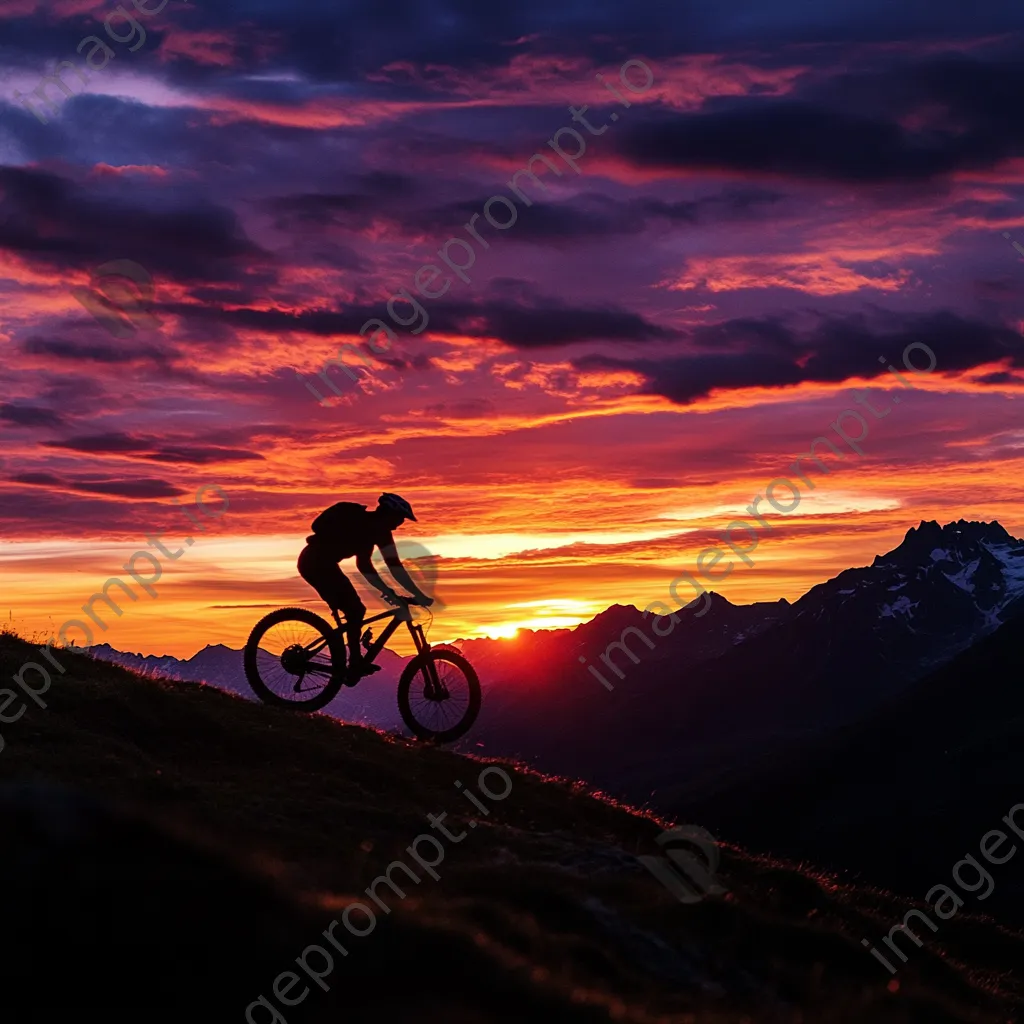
(1000, 289)
(546, 323)
(36, 513)
(593, 215)
(836, 349)
(419, 361)
(370, 188)
(387, 183)
(350, 210)
(94, 352)
(854, 20)
(36, 479)
(29, 416)
(328, 40)
(114, 443)
(128, 488)
(200, 456)
(540, 323)
(51, 221)
(1003, 377)
(287, 54)
(909, 124)
(142, 489)
(152, 450)
(319, 322)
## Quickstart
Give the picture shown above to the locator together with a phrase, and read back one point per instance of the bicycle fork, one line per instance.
(434, 690)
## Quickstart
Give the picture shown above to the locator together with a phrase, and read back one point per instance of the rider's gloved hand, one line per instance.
(424, 600)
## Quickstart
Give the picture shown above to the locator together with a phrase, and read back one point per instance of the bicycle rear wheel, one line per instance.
(441, 717)
(295, 659)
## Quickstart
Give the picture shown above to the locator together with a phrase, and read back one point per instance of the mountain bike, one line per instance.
(296, 659)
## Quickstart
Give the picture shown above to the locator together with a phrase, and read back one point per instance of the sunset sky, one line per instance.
(803, 189)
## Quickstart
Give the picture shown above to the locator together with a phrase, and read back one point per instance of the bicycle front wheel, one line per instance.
(295, 659)
(442, 715)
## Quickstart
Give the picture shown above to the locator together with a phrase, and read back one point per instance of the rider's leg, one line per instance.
(322, 573)
(347, 599)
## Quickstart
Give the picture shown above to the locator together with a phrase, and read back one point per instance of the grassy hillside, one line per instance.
(237, 832)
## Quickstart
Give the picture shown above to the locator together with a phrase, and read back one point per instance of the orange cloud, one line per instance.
(814, 273)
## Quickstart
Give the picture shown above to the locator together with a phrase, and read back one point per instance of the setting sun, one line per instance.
(502, 632)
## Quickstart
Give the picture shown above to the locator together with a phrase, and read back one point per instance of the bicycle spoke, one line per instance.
(320, 670)
(294, 660)
(440, 716)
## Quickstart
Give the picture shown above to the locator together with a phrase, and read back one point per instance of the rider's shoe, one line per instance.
(359, 667)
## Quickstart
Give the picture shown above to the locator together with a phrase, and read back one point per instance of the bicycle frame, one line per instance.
(398, 616)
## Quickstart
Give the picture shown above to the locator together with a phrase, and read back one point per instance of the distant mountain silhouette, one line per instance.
(725, 688)
(372, 702)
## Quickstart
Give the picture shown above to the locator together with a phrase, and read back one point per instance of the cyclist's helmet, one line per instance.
(396, 503)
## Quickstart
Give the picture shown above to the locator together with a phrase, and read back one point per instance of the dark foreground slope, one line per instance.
(238, 832)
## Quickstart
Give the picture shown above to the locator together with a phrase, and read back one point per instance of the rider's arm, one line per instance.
(394, 563)
(364, 563)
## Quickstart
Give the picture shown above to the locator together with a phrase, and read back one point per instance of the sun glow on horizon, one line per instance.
(509, 632)
(553, 613)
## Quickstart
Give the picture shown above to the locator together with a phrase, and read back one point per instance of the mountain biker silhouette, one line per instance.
(348, 530)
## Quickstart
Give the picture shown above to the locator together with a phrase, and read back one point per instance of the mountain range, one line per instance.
(724, 689)
(371, 703)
